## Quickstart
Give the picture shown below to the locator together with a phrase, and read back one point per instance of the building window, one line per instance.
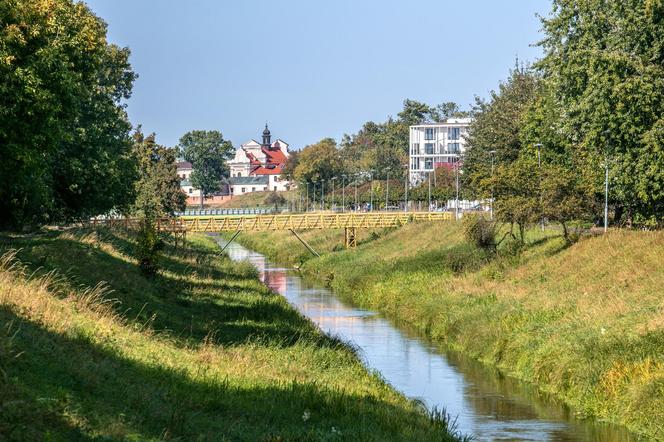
(453, 147)
(253, 189)
(453, 133)
(428, 148)
(190, 190)
(428, 163)
(428, 133)
(415, 148)
(232, 190)
(415, 163)
(244, 189)
(275, 188)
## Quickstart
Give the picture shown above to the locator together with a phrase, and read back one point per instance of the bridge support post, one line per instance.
(230, 241)
(350, 237)
(304, 243)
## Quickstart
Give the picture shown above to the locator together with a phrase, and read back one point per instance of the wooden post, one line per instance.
(350, 237)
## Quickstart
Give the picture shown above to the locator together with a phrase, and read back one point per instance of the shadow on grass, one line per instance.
(113, 397)
(236, 309)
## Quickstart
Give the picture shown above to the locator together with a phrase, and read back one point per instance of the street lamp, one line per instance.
(371, 185)
(493, 155)
(456, 208)
(322, 194)
(539, 167)
(333, 203)
(387, 188)
(343, 193)
(405, 191)
(606, 181)
(356, 179)
(313, 193)
(429, 179)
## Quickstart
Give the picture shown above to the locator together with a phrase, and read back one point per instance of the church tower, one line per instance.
(266, 137)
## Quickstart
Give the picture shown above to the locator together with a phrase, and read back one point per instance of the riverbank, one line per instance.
(584, 322)
(91, 349)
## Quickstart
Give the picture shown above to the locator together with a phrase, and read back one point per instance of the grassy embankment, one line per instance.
(584, 322)
(203, 351)
(252, 200)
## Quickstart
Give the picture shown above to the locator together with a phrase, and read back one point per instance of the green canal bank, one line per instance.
(90, 349)
(584, 322)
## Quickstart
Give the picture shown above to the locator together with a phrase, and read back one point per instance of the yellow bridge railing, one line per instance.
(307, 221)
(350, 222)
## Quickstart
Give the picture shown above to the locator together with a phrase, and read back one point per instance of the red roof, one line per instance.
(274, 161)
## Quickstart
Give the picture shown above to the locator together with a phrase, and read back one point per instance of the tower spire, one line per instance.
(266, 137)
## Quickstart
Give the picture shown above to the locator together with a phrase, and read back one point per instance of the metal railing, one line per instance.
(320, 220)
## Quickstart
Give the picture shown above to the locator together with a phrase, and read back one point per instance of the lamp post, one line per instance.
(333, 203)
(387, 188)
(429, 179)
(371, 185)
(456, 206)
(322, 194)
(306, 206)
(356, 193)
(606, 181)
(493, 154)
(405, 191)
(539, 169)
(343, 193)
(313, 193)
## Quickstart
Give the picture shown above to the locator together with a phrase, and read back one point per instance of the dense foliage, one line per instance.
(63, 129)
(207, 151)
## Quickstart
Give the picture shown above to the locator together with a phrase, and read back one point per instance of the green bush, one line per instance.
(148, 245)
(479, 231)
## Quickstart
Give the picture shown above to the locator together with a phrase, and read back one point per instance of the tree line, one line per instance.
(559, 139)
(69, 151)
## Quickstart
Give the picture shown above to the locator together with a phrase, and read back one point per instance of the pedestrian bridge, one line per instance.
(349, 221)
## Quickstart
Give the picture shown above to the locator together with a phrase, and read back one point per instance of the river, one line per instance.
(486, 404)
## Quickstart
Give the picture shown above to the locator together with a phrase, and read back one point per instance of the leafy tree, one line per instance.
(63, 128)
(208, 152)
(157, 188)
(275, 199)
(516, 192)
(288, 169)
(605, 65)
(318, 162)
(497, 126)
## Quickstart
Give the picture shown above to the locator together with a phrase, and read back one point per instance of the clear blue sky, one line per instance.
(311, 69)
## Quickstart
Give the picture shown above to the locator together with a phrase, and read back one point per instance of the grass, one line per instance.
(584, 322)
(91, 350)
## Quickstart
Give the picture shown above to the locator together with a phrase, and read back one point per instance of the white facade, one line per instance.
(434, 145)
(184, 170)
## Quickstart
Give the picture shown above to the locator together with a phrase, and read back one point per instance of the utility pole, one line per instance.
(539, 167)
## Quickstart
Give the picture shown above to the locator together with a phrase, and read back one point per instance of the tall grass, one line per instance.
(585, 322)
(90, 349)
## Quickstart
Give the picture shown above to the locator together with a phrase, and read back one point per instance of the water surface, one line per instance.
(487, 405)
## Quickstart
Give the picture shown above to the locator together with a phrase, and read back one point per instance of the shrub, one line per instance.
(479, 231)
(148, 245)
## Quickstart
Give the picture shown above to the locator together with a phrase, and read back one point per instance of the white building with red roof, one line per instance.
(258, 167)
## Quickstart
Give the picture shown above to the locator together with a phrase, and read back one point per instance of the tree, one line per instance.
(288, 169)
(157, 188)
(63, 128)
(497, 126)
(276, 199)
(208, 152)
(605, 65)
(318, 162)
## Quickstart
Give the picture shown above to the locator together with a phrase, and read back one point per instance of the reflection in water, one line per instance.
(487, 405)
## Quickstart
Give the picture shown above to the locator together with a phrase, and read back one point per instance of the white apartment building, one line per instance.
(434, 145)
